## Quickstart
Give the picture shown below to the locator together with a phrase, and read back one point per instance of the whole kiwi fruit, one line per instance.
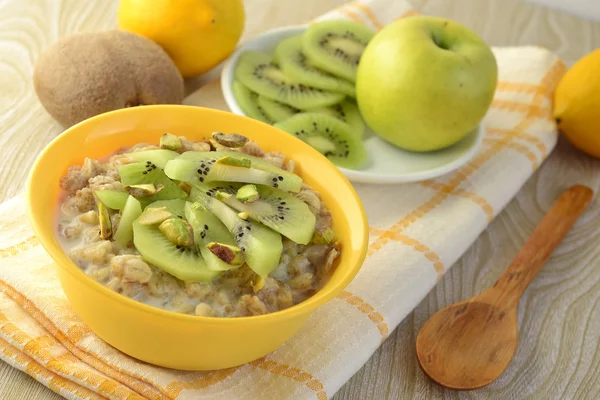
(87, 74)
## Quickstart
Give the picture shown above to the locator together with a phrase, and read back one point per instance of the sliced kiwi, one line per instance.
(206, 168)
(248, 102)
(275, 110)
(256, 162)
(157, 157)
(336, 46)
(209, 229)
(262, 246)
(113, 199)
(256, 71)
(328, 135)
(148, 173)
(183, 263)
(278, 210)
(346, 111)
(154, 215)
(132, 210)
(175, 206)
(294, 63)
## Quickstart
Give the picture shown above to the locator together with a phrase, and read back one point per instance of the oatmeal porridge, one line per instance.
(216, 227)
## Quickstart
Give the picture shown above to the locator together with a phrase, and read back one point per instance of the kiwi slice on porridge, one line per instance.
(184, 263)
(336, 46)
(149, 173)
(230, 167)
(248, 102)
(278, 210)
(275, 110)
(157, 157)
(175, 206)
(113, 199)
(346, 111)
(328, 135)
(256, 71)
(131, 211)
(295, 64)
(262, 246)
(256, 162)
(209, 229)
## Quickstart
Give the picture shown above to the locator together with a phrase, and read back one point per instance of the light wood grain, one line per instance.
(559, 316)
(470, 344)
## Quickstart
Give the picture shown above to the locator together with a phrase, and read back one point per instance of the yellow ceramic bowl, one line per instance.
(166, 338)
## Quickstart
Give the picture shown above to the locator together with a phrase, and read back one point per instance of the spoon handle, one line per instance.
(547, 235)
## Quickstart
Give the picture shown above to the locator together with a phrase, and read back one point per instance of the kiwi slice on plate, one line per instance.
(148, 173)
(262, 246)
(346, 111)
(278, 210)
(209, 229)
(248, 102)
(256, 71)
(294, 63)
(182, 262)
(131, 211)
(113, 199)
(275, 110)
(336, 46)
(230, 167)
(157, 157)
(328, 135)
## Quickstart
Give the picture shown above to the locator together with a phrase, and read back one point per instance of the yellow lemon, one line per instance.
(577, 104)
(197, 34)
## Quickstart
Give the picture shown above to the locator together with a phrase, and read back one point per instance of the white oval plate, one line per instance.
(387, 163)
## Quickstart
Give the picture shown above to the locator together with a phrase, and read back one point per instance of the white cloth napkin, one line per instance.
(417, 232)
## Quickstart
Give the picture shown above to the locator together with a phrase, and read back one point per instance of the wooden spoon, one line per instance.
(469, 344)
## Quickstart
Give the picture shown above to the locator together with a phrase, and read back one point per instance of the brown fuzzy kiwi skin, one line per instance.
(87, 74)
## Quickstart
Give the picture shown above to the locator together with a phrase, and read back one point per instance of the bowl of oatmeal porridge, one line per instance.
(193, 238)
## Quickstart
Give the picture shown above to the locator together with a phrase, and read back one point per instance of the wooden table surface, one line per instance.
(559, 316)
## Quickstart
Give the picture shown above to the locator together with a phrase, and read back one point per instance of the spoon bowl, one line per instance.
(452, 332)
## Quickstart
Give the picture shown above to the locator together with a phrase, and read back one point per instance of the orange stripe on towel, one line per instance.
(19, 247)
(519, 135)
(293, 373)
(368, 310)
(368, 12)
(532, 110)
(474, 197)
(517, 87)
(410, 13)
(210, 379)
(351, 14)
(55, 382)
(438, 264)
(524, 150)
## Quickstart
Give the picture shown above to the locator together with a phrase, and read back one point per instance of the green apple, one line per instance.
(424, 83)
